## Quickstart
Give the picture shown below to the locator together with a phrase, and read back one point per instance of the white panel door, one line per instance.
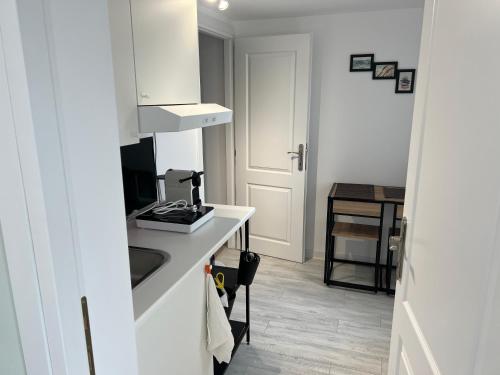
(272, 89)
(447, 307)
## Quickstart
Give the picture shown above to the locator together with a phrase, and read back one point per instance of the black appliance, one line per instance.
(139, 175)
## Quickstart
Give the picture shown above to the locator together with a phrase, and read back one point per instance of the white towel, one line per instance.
(220, 341)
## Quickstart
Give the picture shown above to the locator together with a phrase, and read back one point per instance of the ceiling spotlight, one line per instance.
(223, 4)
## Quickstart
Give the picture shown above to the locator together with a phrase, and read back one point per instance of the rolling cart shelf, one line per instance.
(230, 277)
(356, 231)
(239, 329)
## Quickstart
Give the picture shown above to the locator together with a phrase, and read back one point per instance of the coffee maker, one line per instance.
(183, 185)
(182, 210)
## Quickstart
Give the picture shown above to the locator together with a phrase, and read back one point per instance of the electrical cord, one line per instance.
(165, 208)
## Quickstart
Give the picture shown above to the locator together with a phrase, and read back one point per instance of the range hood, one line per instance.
(175, 118)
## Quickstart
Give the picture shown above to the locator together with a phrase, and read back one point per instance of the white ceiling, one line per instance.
(257, 9)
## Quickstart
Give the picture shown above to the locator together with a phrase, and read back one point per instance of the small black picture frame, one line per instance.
(405, 81)
(385, 70)
(362, 62)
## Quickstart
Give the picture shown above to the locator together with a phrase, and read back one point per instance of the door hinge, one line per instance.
(88, 336)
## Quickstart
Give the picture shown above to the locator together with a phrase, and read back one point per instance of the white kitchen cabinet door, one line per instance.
(172, 335)
(166, 51)
(124, 71)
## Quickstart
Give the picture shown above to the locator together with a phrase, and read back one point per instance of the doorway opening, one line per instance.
(213, 90)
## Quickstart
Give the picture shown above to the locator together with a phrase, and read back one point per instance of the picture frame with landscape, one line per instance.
(362, 62)
(385, 70)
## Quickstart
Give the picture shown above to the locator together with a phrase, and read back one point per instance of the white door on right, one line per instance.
(447, 304)
(272, 90)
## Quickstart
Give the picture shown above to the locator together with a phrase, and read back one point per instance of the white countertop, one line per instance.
(187, 251)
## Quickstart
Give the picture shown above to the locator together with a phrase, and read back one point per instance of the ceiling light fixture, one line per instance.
(223, 4)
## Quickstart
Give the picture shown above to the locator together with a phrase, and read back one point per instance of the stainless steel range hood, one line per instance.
(175, 118)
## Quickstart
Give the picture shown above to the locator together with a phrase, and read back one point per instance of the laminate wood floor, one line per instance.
(299, 326)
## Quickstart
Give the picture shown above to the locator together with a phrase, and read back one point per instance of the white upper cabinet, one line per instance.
(165, 34)
(124, 73)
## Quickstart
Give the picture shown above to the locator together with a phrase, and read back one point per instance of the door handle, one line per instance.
(397, 243)
(394, 242)
(298, 155)
(88, 335)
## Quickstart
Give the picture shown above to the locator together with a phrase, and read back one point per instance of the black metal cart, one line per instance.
(232, 284)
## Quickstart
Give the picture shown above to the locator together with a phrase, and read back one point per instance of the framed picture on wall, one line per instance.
(405, 81)
(362, 63)
(385, 70)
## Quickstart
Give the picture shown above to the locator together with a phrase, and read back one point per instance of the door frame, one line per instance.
(308, 126)
(23, 273)
(54, 265)
(219, 32)
(31, 273)
(217, 26)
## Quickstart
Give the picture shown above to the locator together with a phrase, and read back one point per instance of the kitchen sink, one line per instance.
(144, 262)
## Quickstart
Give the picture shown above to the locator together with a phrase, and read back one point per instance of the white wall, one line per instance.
(359, 128)
(214, 22)
(180, 150)
(214, 138)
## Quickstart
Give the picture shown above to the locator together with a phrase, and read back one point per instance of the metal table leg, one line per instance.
(379, 245)
(247, 288)
(388, 266)
(328, 240)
